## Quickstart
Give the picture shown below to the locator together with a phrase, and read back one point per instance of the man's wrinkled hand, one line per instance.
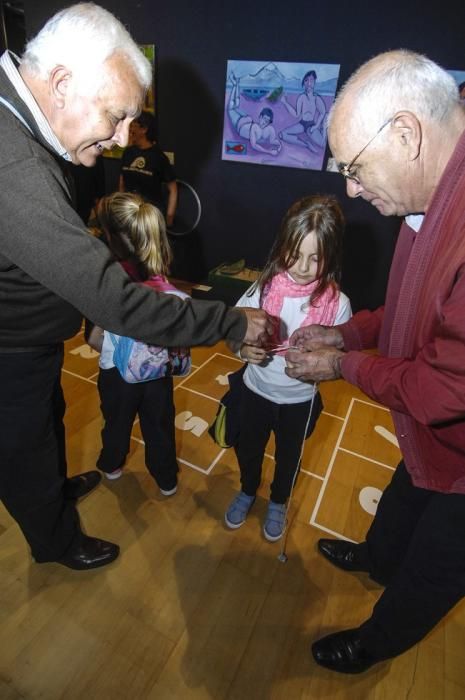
(259, 327)
(317, 366)
(314, 336)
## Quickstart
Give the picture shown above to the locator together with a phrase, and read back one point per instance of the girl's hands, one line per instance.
(253, 354)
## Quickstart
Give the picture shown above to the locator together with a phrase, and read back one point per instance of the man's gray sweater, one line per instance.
(52, 271)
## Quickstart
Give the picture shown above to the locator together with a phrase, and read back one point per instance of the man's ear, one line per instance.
(58, 81)
(407, 128)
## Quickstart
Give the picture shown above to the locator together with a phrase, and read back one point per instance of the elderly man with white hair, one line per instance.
(81, 82)
(397, 130)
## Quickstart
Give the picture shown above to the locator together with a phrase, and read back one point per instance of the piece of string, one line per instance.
(282, 556)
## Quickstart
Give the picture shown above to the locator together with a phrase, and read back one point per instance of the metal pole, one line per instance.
(282, 556)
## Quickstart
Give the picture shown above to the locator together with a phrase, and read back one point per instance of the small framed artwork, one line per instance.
(275, 113)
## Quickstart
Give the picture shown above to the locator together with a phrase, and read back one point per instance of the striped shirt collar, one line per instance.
(9, 62)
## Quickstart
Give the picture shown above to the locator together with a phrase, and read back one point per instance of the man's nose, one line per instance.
(354, 189)
(121, 135)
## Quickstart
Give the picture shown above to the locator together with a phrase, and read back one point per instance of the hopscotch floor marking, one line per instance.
(199, 469)
(337, 448)
(387, 435)
(79, 376)
(205, 396)
(198, 393)
(314, 514)
(367, 459)
(383, 432)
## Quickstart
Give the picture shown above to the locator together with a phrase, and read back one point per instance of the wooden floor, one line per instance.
(192, 609)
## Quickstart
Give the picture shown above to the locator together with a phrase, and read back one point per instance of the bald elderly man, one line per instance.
(397, 131)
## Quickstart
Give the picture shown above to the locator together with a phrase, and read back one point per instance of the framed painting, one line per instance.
(275, 113)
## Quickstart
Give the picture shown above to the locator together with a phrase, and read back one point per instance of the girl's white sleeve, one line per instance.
(344, 311)
(252, 301)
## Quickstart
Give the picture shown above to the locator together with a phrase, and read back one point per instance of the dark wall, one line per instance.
(12, 31)
(242, 203)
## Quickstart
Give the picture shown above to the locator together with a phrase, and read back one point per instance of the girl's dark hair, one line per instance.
(321, 214)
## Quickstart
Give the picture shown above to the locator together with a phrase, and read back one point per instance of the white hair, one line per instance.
(398, 80)
(82, 37)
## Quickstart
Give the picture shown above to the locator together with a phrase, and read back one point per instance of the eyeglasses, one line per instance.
(345, 169)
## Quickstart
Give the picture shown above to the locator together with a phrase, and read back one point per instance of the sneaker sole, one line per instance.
(171, 492)
(113, 477)
(232, 526)
(272, 538)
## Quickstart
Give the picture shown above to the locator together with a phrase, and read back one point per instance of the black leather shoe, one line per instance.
(90, 554)
(343, 652)
(80, 485)
(345, 555)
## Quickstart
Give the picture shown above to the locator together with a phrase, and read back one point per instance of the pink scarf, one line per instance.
(282, 285)
(158, 282)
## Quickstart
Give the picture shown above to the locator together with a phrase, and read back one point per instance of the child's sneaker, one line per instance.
(114, 474)
(169, 492)
(237, 512)
(275, 521)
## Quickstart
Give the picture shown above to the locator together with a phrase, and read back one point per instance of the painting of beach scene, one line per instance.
(276, 112)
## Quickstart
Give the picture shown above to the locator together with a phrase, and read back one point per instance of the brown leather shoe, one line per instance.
(81, 484)
(343, 652)
(90, 554)
(345, 555)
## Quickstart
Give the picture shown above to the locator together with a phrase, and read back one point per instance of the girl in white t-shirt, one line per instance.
(298, 287)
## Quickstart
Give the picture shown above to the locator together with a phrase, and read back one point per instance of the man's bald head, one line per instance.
(393, 81)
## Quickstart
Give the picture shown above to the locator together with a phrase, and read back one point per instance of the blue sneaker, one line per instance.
(237, 512)
(275, 521)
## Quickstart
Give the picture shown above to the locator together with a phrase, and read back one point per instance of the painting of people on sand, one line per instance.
(276, 113)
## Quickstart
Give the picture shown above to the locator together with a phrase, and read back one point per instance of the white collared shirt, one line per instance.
(414, 221)
(9, 62)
